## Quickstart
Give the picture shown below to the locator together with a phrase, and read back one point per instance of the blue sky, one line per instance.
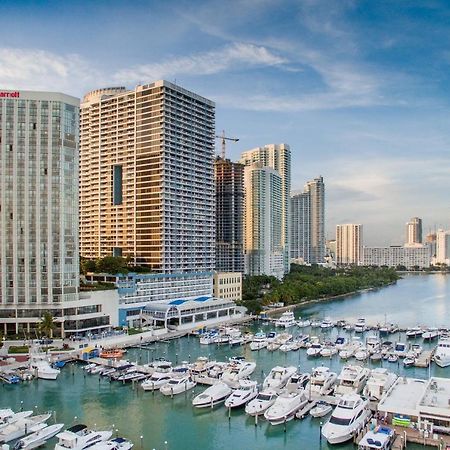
(359, 89)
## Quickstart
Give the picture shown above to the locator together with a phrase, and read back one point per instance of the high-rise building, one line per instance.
(147, 177)
(414, 231)
(442, 247)
(410, 256)
(263, 221)
(308, 223)
(349, 243)
(39, 260)
(229, 178)
(430, 240)
(278, 158)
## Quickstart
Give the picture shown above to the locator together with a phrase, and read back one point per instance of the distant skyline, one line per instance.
(358, 89)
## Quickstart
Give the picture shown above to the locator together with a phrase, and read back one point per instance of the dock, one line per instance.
(424, 359)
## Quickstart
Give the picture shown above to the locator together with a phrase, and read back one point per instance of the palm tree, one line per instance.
(47, 324)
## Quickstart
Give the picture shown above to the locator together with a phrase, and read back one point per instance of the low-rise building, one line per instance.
(409, 256)
(228, 285)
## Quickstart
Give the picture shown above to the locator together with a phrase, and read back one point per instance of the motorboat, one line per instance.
(208, 338)
(259, 341)
(326, 324)
(215, 394)
(161, 366)
(442, 353)
(362, 354)
(38, 438)
(118, 443)
(80, 437)
(340, 342)
(400, 349)
(351, 348)
(285, 407)
(246, 392)
(380, 438)
(314, 349)
(272, 346)
(41, 367)
(373, 344)
(378, 356)
(347, 419)
(286, 320)
(321, 409)
(328, 350)
(278, 377)
(409, 361)
(178, 385)
(321, 382)
(289, 346)
(388, 329)
(201, 367)
(271, 336)
(416, 350)
(413, 332)
(380, 380)
(392, 358)
(238, 371)
(360, 326)
(351, 380)
(303, 323)
(23, 426)
(155, 382)
(263, 401)
(430, 334)
(315, 323)
(8, 416)
(297, 381)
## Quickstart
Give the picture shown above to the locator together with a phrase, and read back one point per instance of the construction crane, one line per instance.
(225, 138)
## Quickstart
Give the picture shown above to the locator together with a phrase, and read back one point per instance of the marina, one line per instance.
(104, 404)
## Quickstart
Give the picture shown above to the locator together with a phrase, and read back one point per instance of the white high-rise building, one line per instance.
(414, 231)
(410, 256)
(39, 260)
(308, 223)
(263, 221)
(349, 243)
(442, 247)
(278, 158)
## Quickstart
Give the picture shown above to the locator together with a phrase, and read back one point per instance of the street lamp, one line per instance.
(320, 435)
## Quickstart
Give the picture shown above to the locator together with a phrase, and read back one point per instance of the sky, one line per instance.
(360, 90)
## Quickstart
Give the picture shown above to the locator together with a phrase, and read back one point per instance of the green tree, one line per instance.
(47, 324)
(112, 265)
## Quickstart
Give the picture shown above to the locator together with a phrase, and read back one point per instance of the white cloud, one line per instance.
(231, 57)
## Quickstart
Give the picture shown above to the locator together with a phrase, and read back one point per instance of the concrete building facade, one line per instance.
(349, 243)
(228, 285)
(442, 247)
(411, 257)
(278, 158)
(414, 231)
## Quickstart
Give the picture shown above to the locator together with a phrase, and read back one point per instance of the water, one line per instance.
(77, 397)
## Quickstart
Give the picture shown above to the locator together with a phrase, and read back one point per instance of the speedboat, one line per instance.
(215, 394)
(23, 426)
(278, 377)
(80, 437)
(178, 385)
(442, 353)
(208, 338)
(377, 356)
(351, 380)
(351, 348)
(156, 381)
(38, 438)
(409, 361)
(259, 341)
(321, 382)
(362, 354)
(263, 401)
(414, 332)
(340, 342)
(315, 323)
(314, 349)
(321, 409)
(328, 350)
(392, 358)
(297, 381)
(373, 344)
(289, 346)
(41, 367)
(238, 371)
(326, 324)
(286, 320)
(381, 438)
(400, 349)
(430, 334)
(360, 326)
(380, 380)
(285, 407)
(303, 323)
(246, 392)
(348, 419)
(8, 416)
(271, 336)
(117, 443)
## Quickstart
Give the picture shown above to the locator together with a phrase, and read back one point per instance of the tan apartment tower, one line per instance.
(147, 177)
(414, 231)
(349, 243)
(278, 158)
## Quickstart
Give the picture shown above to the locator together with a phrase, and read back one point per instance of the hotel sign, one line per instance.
(4, 94)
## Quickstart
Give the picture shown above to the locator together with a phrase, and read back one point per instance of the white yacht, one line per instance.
(20, 428)
(297, 381)
(246, 392)
(326, 324)
(348, 419)
(328, 350)
(400, 349)
(321, 409)
(361, 354)
(208, 338)
(380, 380)
(321, 382)
(351, 380)
(413, 332)
(373, 344)
(8, 416)
(278, 377)
(215, 394)
(259, 341)
(314, 349)
(238, 371)
(285, 407)
(340, 342)
(303, 323)
(286, 320)
(351, 348)
(177, 385)
(430, 334)
(80, 437)
(360, 326)
(117, 443)
(156, 381)
(263, 401)
(381, 438)
(38, 438)
(41, 367)
(442, 353)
